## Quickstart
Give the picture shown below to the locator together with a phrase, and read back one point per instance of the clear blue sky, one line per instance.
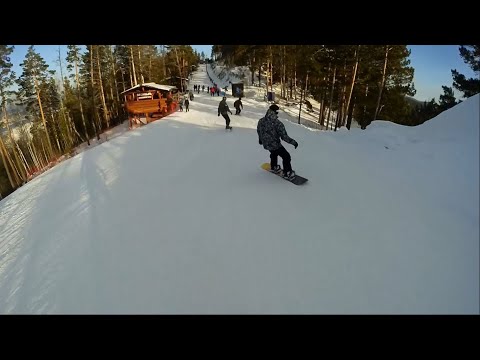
(432, 64)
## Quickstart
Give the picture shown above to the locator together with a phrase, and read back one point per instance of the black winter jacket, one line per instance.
(270, 130)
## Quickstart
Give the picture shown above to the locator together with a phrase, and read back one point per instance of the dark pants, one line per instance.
(237, 112)
(227, 119)
(283, 153)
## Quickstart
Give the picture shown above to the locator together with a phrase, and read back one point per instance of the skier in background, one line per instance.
(223, 109)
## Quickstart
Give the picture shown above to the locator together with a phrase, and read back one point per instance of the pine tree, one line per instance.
(471, 56)
(67, 126)
(73, 59)
(384, 78)
(447, 99)
(35, 75)
(7, 79)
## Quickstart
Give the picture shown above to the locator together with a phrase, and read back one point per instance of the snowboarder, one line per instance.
(187, 102)
(237, 105)
(223, 109)
(270, 129)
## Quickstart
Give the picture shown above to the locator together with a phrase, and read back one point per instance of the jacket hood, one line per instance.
(271, 115)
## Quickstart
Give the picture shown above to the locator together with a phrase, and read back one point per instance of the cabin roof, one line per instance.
(150, 85)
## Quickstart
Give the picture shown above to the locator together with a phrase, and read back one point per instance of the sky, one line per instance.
(177, 217)
(432, 63)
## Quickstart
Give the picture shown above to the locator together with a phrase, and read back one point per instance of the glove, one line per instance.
(296, 144)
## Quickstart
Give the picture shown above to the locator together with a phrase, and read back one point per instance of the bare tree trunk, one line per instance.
(140, 65)
(344, 94)
(322, 108)
(38, 154)
(25, 164)
(268, 76)
(37, 91)
(33, 155)
(102, 94)
(80, 102)
(284, 77)
(114, 72)
(179, 67)
(295, 81)
(164, 63)
(357, 54)
(383, 83)
(113, 107)
(71, 126)
(252, 69)
(132, 61)
(6, 160)
(96, 124)
(150, 66)
(130, 72)
(112, 83)
(69, 141)
(300, 110)
(56, 135)
(321, 116)
(22, 172)
(271, 71)
(15, 167)
(40, 158)
(44, 155)
(364, 115)
(331, 97)
(123, 81)
(350, 114)
(336, 119)
(282, 94)
(79, 135)
(306, 86)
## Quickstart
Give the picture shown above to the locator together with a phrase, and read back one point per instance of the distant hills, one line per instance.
(413, 102)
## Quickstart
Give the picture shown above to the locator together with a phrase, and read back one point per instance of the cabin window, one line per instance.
(144, 96)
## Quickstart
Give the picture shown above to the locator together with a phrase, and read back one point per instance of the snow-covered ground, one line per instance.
(177, 217)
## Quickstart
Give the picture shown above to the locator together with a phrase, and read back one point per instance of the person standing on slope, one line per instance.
(223, 109)
(237, 104)
(270, 129)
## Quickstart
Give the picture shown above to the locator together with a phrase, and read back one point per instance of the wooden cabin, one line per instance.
(149, 101)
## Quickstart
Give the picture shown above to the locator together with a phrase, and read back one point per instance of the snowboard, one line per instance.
(297, 180)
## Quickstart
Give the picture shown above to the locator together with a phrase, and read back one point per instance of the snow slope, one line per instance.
(177, 217)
